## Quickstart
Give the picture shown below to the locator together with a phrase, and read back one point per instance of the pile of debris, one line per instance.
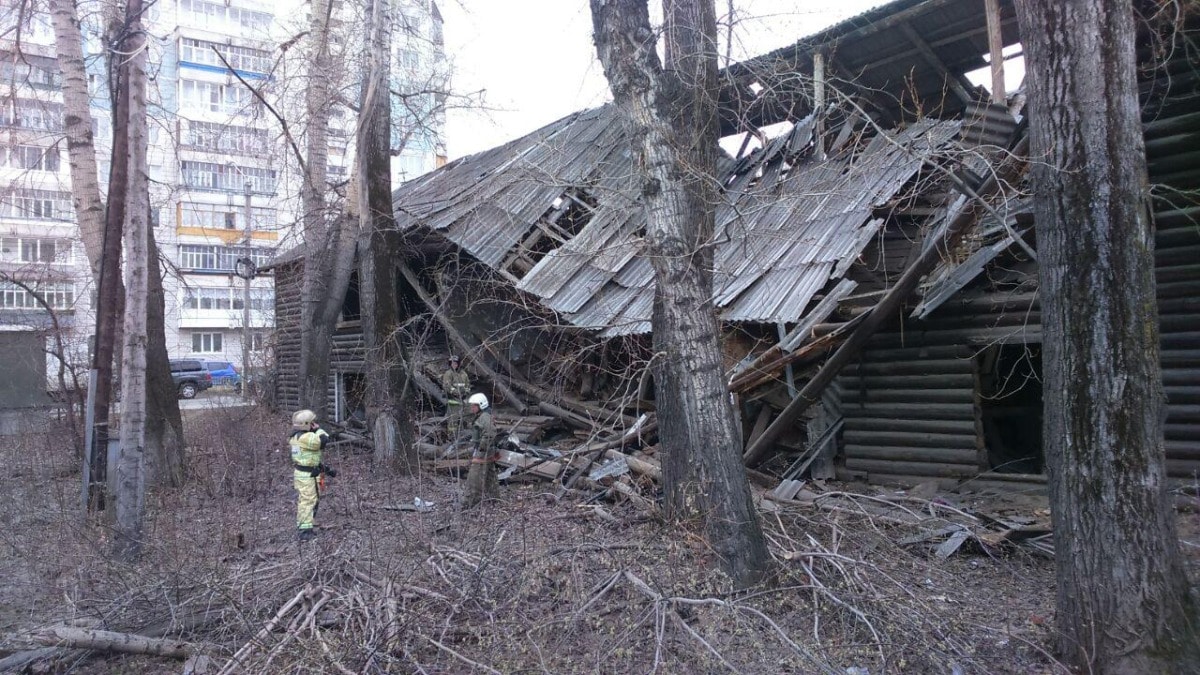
(922, 517)
(621, 464)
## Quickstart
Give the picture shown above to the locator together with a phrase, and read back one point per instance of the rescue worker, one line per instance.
(306, 442)
(481, 478)
(457, 384)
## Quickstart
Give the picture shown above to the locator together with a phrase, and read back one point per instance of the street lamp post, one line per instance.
(246, 335)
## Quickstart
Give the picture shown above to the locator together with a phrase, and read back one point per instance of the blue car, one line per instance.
(224, 374)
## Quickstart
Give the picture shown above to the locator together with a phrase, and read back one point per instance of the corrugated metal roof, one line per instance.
(782, 236)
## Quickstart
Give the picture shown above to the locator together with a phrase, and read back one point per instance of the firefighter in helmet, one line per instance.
(457, 384)
(307, 441)
(481, 478)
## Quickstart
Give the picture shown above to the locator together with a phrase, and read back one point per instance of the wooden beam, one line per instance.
(887, 308)
(933, 60)
(460, 343)
(995, 49)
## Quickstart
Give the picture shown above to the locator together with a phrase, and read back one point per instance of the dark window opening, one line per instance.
(565, 218)
(1010, 406)
(350, 306)
(353, 394)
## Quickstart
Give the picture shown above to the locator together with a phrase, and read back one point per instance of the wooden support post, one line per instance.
(887, 308)
(459, 341)
(819, 103)
(995, 49)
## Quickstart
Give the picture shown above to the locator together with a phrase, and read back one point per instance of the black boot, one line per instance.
(307, 534)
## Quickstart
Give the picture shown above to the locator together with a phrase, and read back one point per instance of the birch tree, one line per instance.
(389, 419)
(100, 224)
(130, 496)
(1122, 595)
(671, 117)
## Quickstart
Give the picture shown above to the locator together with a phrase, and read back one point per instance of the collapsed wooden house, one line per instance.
(529, 257)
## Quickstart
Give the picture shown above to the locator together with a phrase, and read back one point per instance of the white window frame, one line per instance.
(227, 177)
(30, 204)
(208, 343)
(60, 296)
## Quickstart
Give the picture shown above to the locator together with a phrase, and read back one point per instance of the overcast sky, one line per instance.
(536, 61)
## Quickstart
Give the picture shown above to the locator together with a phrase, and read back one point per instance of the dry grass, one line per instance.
(523, 585)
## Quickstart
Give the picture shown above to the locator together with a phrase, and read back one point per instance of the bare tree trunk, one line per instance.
(77, 119)
(1122, 596)
(164, 423)
(672, 121)
(386, 361)
(130, 494)
(316, 334)
(101, 236)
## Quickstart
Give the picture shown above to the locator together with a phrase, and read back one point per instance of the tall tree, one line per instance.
(328, 255)
(100, 226)
(130, 480)
(671, 116)
(1122, 594)
(389, 419)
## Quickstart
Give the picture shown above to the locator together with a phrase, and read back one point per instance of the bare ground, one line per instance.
(525, 584)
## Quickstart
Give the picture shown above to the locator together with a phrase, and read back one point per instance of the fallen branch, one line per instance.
(462, 658)
(262, 634)
(111, 641)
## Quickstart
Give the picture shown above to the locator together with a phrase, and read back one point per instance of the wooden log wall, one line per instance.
(912, 404)
(1172, 130)
(288, 281)
(910, 412)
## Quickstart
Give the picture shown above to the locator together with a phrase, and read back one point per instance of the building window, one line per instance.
(35, 250)
(26, 113)
(207, 343)
(30, 158)
(22, 71)
(240, 58)
(36, 204)
(212, 15)
(225, 138)
(200, 298)
(231, 99)
(215, 216)
(409, 59)
(58, 295)
(227, 177)
(200, 258)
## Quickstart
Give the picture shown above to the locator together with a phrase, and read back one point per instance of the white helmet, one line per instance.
(302, 418)
(479, 400)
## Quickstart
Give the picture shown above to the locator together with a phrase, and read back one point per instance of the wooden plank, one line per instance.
(963, 395)
(929, 426)
(910, 454)
(903, 410)
(909, 439)
(914, 366)
(818, 314)
(960, 380)
(927, 469)
(991, 9)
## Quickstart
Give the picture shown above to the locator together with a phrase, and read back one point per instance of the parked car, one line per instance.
(224, 374)
(190, 377)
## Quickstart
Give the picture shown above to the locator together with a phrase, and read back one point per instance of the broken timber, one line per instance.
(887, 308)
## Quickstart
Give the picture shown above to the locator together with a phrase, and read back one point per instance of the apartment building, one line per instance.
(224, 182)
